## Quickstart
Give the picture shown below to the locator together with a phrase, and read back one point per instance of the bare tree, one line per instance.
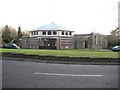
(114, 38)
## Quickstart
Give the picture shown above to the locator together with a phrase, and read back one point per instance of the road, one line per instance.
(18, 74)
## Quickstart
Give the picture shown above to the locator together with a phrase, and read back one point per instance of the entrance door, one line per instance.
(48, 44)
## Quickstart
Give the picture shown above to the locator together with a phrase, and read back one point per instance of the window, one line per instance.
(62, 32)
(49, 32)
(100, 40)
(96, 40)
(66, 33)
(70, 33)
(31, 33)
(36, 32)
(44, 32)
(54, 32)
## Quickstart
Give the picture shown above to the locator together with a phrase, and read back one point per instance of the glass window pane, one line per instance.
(54, 32)
(49, 32)
(62, 32)
(44, 32)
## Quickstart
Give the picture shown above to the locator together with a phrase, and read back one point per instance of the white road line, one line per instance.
(75, 75)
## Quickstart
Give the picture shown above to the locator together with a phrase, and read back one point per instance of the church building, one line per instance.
(54, 36)
(50, 36)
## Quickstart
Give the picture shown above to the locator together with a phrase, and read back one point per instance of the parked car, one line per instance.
(116, 49)
(10, 46)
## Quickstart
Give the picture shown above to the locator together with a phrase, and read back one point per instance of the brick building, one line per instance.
(53, 36)
(91, 41)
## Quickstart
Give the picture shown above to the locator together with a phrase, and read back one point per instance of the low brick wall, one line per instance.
(61, 58)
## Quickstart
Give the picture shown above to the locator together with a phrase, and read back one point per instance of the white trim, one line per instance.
(74, 75)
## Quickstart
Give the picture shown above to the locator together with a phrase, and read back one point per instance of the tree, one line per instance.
(8, 34)
(19, 32)
(0, 37)
(14, 35)
(114, 38)
(19, 35)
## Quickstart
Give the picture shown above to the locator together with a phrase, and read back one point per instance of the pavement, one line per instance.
(59, 61)
(20, 74)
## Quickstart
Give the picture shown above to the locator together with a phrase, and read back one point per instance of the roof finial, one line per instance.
(52, 22)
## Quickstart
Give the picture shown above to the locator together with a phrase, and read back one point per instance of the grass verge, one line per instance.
(70, 53)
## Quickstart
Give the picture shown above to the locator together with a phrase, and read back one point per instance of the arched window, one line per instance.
(66, 33)
(62, 33)
(70, 33)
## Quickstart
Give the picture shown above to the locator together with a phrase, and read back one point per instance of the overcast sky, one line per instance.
(83, 16)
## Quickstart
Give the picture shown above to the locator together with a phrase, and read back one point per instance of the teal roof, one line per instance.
(52, 26)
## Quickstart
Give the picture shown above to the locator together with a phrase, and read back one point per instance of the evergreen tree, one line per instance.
(19, 32)
(19, 35)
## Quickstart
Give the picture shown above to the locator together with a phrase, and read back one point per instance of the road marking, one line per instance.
(74, 75)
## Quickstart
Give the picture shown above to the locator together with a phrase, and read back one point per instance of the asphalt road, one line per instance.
(17, 74)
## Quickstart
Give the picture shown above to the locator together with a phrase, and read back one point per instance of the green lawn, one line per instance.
(70, 53)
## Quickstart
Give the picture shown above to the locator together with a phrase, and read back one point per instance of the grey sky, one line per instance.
(83, 16)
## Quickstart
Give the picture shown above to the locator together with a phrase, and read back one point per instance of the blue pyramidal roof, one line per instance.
(52, 26)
